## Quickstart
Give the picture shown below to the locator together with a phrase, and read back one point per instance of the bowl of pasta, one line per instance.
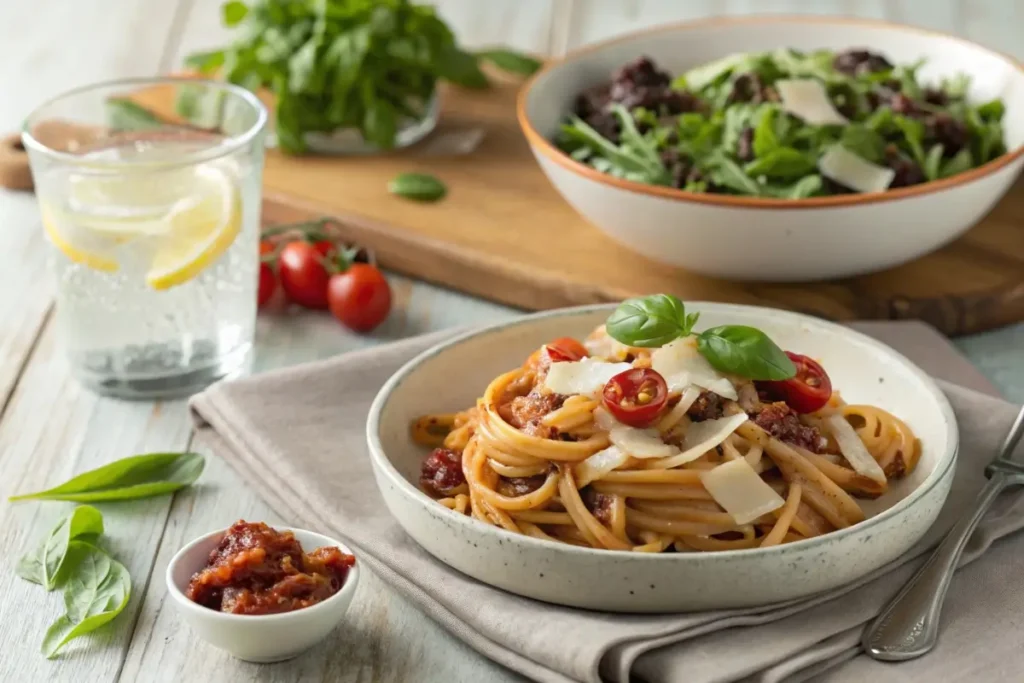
(657, 456)
(833, 146)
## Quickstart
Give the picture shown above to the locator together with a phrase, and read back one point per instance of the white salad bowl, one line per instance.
(450, 377)
(747, 238)
(260, 637)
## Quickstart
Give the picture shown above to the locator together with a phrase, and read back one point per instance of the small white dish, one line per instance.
(452, 375)
(266, 637)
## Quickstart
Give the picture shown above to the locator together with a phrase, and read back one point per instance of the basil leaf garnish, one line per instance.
(744, 351)
(650, 321)
(43, 564)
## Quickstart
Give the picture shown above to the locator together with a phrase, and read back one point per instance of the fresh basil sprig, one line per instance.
(43, 564)
(656, 320)
(94, 594)
(744, 351)
(650, 321)
(138, 476)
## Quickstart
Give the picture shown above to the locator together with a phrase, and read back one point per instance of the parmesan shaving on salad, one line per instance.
(855, 172)
(808, 100)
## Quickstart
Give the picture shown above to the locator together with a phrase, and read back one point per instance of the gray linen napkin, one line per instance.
(302, 447)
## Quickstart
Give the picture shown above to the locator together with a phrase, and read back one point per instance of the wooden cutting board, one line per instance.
(503, 233)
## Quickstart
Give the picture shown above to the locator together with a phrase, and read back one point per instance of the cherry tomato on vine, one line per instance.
(807, 391)
(268, 283)
(636, 397)
(303, 276)
(266, 247)
(359, 297)
(326, 248)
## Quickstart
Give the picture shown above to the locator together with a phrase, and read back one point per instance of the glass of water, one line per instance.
(149, 192)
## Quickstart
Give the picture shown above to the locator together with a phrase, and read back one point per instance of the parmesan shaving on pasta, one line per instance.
(853, 449)
(740, 491)
(641, 443)
(808, 100)
(682, 365)
(855, 172)
(701, 437)
(585, 377)
(600, 464)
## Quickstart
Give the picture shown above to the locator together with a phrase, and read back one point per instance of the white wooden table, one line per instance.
(50, 428)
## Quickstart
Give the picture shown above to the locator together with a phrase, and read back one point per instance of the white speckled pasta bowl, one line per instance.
(751, 238)
(452, 375)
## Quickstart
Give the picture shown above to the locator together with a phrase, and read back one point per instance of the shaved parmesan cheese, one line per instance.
(602, 345)
(857, 173)
(604, 420)
(808, 100)
(600, 464)
(641, 443)
(740, 491)
(681, 365)
(585, 377)
(853, 449)
(701, 437)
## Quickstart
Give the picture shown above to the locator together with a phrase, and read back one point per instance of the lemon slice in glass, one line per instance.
(199, 228)
(90, 250)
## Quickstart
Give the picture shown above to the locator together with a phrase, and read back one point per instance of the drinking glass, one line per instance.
(149, 193)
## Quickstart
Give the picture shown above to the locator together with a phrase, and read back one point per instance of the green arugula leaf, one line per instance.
(864, 142)
(808, 186)
(714, 72)
(744, 351)
(727, 173)
(913, 132)
(783, 163)
(650, 321)
(933, 161)
(418, 186)
(43, 564)
(138, 476)
(94, 594)
(511, 61)
(625, 159)
(766, 139)
(960, 162)
(633, 140)
(992, 110)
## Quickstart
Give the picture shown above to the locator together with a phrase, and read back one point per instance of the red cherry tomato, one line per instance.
(268, 283)
(636, 397)
(360, 297)
(326, 247)
(303, 277)
(807, 391)
(266, 247)
(565, 349)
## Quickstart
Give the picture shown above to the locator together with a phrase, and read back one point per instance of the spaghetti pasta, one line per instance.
(514, 459)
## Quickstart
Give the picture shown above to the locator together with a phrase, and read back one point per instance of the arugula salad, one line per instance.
(782, 124)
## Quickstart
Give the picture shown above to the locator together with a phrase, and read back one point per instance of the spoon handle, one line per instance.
(909, 625)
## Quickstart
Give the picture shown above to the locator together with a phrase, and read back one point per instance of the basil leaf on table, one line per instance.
(94, 594)
(418, 186)
(511, 61)
(744, 351)
(43, 565)
(650, 321)
(138, 476)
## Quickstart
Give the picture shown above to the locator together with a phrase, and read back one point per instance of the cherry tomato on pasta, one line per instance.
(636, 397)
(807, 391)
(565, 349)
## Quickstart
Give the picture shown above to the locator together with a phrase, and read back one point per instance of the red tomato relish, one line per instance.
(258, 570)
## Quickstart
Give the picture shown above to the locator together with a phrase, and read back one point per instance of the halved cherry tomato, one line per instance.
(304, 278)
(636, 397)
(268, 283)
(359, 297)
(807, 391)
(565, 349)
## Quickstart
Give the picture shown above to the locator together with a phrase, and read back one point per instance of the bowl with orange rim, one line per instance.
(767, 238)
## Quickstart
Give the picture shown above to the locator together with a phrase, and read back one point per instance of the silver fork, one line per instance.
(909, 625)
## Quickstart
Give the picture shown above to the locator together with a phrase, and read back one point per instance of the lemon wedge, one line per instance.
(199, 229)
(91, 253)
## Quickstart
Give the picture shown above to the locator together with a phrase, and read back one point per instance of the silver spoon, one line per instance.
(909, 625)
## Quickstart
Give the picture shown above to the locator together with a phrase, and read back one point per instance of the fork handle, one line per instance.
(909, 625)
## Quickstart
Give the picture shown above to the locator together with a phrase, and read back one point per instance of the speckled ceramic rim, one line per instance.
(205, 612)
(544, 146)
(946, 460)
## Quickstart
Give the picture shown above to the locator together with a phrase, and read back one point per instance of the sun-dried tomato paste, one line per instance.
(258, 570)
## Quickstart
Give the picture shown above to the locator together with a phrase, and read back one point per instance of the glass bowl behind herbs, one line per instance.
(347, 75)
(782, 124)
